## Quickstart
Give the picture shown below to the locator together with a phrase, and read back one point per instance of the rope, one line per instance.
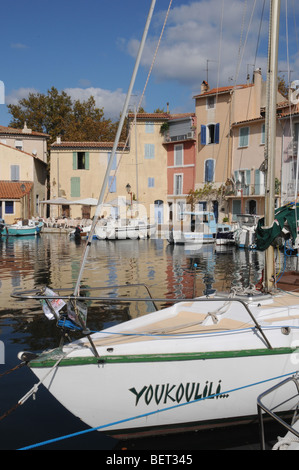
(285, 442)
(51, 441)
(142, 95)
(32, 391)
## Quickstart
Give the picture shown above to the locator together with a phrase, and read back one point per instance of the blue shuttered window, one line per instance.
(151, 182)
(112, 184)
(244, 137)
(149, 151)
(149, 127)
(209, 170)
(15, 173)
(9, 207)
(203, 135)
(114, 163)
(210, 134)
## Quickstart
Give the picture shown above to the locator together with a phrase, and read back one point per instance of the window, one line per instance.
(242, 178)
(209, 170)
(151, 182)
(114, 163)
(259, 183)
(178, 184)
(149, 127)
(244, 137)
(210, 102)
(149, 151)
(263, 134)
(178, 155)
(112, 184)
(9, 207)
(15, 172)
(75, 187)
(19, 144)
(210, 134)
(80, 160)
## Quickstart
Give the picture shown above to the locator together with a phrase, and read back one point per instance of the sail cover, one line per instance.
(285, 222)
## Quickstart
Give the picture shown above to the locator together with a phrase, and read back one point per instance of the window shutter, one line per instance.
(86, 160)
(74, 160)
(15, 173)
(217, 133)
(257, 182)
(75, 186)
(112, 184)
(203, 135)
(149, 151)
(209, 171)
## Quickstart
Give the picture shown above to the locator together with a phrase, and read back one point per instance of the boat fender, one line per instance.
(27, 356)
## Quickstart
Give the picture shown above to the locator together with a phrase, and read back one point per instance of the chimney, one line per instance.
(204, 87)
(58, 139)
(167, 108)
(25, 129)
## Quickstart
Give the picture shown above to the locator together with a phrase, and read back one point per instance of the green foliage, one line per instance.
(57, 115)
(207, 193)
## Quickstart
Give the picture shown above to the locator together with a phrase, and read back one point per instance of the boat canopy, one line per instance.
(285, 217)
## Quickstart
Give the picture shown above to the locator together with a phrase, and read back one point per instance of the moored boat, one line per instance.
(23, 228)
(197, 227)
(198, 363)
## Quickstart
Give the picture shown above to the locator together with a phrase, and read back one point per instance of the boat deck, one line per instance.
(183, 323)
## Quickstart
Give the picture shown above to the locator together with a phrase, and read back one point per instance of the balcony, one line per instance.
(179, 138)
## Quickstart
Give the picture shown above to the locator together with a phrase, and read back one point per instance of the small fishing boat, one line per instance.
(123, 229)
(23, 228)
(225, 235)
(2, 226)
(197, 227)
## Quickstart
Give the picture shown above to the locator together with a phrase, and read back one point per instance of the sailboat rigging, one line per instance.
(195, 363)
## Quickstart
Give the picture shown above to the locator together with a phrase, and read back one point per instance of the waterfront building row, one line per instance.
(213, 157)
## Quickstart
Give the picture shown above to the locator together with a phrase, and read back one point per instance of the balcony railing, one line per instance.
(178, 138)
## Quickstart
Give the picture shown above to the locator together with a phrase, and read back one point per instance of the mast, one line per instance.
(271, 136)
(109, 166)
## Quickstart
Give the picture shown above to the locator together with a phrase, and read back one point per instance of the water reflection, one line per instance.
(54, 260)
(171, 271)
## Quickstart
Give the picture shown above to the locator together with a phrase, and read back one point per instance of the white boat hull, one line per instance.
(132, 232)
(191, 238)
(101, 395)
(158, 384)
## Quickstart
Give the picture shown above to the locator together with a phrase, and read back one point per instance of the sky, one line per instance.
(89, 48)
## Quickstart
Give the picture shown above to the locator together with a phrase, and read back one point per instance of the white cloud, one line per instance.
(193, 35)
(18, 45)
(16, 95)
(111, 101)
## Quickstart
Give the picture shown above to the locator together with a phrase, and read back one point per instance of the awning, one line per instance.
(61, 201)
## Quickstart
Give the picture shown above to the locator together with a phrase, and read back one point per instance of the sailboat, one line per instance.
(194, 364)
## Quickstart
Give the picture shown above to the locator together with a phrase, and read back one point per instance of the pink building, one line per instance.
(180, 142)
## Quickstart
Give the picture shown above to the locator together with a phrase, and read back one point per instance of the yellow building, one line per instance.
(139, 171)
(22, 184)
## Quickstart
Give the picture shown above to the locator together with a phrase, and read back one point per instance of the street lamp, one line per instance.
(128, 188)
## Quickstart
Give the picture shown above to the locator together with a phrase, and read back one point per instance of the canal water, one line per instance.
(54, 260)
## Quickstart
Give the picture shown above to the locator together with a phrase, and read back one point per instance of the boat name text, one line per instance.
(171, 393)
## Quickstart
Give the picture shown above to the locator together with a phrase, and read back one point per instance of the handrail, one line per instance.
(261, 407)
(26, 295)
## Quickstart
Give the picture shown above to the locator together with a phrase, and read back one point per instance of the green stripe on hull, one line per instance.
(47, 360)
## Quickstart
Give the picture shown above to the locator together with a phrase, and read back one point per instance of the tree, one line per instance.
(282, 87)
(207, 193)
(57, 115)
